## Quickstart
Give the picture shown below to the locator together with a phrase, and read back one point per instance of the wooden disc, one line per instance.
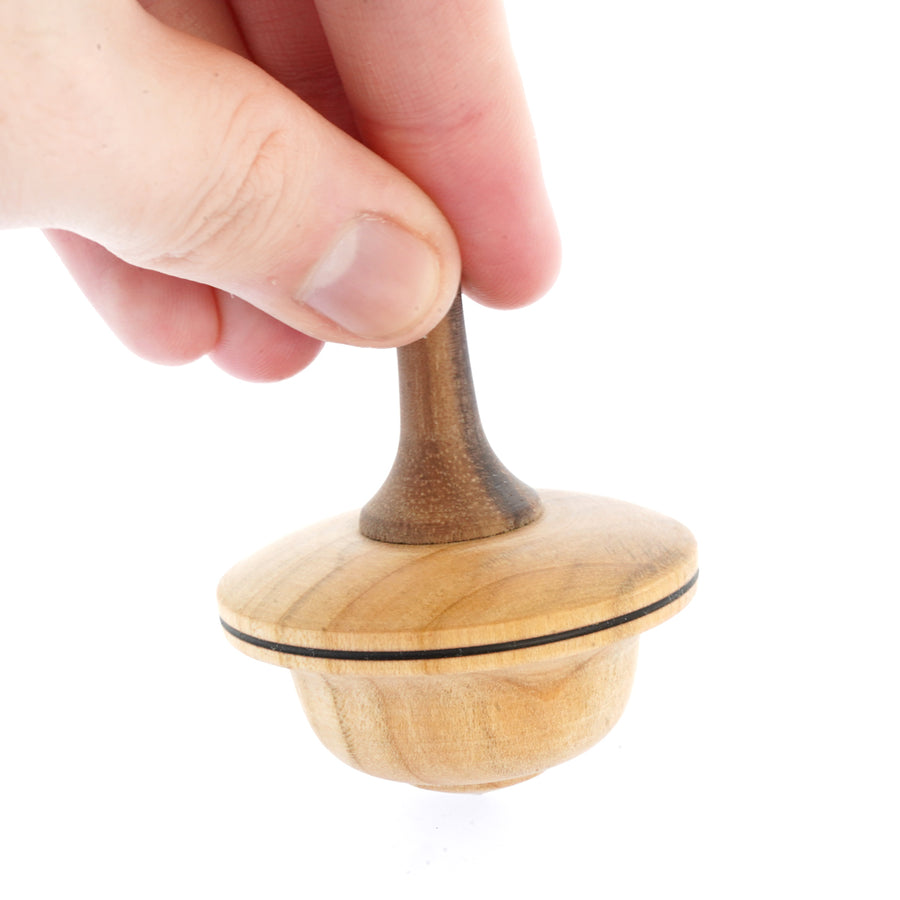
(589, 572)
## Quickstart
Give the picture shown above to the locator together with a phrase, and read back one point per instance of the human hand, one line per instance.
(205, 208)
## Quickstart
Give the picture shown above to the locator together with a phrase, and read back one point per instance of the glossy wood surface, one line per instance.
(463, 632)
(446, 484)
(586, 562)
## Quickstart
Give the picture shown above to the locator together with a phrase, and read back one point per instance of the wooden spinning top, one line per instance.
(462, 632)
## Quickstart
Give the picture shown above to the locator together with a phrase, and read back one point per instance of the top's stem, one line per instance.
(446, 484)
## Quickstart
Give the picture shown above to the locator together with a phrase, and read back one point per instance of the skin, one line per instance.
(193, 161)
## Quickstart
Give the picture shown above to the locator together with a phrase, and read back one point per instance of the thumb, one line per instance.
(184, 158)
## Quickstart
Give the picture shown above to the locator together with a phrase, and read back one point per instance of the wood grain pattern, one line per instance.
(456, 721)
(462, 632)
(586, 561)
(471, 732)
(446, 483)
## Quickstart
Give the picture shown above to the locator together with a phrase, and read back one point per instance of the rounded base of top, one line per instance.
(471, 732)
(475, 788)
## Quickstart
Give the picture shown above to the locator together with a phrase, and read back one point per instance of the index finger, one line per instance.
(435, 90)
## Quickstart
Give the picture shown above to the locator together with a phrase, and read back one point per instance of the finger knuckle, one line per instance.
(238, 198)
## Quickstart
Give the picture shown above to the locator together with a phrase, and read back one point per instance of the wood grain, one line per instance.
(446, 484)
(408, 686)
(462, 632)
(471, 732)
(587, 561)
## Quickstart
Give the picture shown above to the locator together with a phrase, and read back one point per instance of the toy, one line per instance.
(463, 632)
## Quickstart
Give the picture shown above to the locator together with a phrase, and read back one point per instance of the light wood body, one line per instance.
(462, 632)
(468, 665)
(471, 731)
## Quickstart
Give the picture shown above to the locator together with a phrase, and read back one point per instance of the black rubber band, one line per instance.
(451, 652)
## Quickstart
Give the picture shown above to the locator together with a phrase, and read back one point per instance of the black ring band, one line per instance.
(451, 652)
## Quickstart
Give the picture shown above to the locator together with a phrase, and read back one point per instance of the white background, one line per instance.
(721, 346)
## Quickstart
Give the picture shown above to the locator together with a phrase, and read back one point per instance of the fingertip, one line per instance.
(384, 284)
(515, 276)
(160, 318)
(255, 347)
(177, 324)
(278, 362)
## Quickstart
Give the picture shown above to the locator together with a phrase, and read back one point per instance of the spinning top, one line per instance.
(463, 632)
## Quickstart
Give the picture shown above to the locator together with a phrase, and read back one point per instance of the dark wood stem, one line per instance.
(446, 484)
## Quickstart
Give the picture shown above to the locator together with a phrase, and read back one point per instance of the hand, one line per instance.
(224, 178)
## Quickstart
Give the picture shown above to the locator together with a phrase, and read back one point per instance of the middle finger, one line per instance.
(285, 38)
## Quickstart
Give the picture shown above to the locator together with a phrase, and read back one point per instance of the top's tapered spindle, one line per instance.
(446, 484)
